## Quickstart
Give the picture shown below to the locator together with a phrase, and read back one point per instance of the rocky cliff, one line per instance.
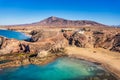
(95, 39)
(40, 41)
(56, 41)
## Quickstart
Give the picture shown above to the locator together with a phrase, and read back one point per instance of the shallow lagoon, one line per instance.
(61, 69)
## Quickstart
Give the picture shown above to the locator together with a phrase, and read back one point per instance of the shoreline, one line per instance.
(109, 60)
(26, 61)
(73, 52)
(105, 59)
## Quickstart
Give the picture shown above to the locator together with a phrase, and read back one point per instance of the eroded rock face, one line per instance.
(95, 39)
(76, 39)
(116, 43)
(107, 41)
(9, 45)
(48, 40)
(79, 39)
(38, 35)
(24, 47)
(99, 38)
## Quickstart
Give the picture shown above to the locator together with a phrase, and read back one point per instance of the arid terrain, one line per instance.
(55, 37)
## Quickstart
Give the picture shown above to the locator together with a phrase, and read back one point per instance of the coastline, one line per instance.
(79, 53)
(109, 60)
(24, 60)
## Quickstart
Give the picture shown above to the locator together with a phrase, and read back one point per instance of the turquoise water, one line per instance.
(61, 69)
(13, 34)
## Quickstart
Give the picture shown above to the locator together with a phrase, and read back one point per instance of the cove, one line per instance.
(64, 68)
(13, 34)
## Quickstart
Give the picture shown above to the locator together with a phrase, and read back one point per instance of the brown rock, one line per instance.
(76, 39)
(116, 43)
(42, 54)
(25, 61)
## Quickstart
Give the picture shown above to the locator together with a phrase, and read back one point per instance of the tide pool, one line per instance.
(61, 69)
(13, 34)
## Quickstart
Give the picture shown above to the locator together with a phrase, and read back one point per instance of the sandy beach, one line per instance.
(109, 60)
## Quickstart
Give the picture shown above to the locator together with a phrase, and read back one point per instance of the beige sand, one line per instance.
(110, 60)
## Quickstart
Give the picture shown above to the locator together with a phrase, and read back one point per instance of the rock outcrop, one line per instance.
(95, 39)
(76, 39)
(38, 35)
(9, 45)
(47, 43)
(116, 43)
(42, 54)
(107, 41)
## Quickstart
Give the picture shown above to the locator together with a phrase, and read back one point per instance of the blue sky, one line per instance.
(28, 11)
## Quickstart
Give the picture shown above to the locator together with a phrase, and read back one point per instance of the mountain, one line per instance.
(60, 22)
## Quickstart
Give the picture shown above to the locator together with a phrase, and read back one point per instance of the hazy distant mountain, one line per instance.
(60, 22)
(116, 25)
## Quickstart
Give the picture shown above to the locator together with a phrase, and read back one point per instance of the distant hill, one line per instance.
(115, 25)
(60, 22)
